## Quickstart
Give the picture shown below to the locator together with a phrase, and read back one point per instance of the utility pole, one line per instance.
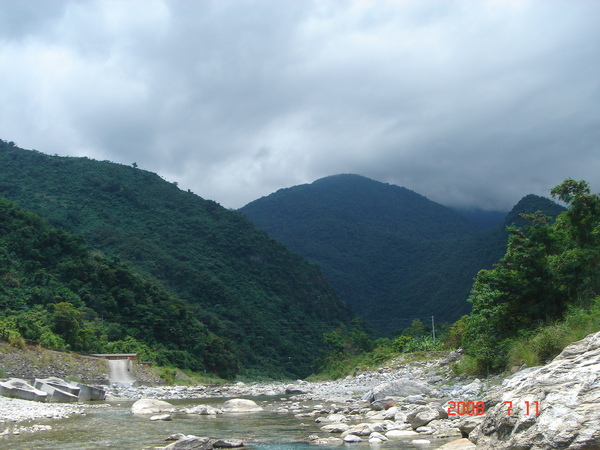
(433, 329)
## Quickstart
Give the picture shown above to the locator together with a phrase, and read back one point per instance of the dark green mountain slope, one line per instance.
(53, 289)
(482, 219)
(251, 291)
(392, 254)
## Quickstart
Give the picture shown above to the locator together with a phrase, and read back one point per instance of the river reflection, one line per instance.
(113, 426)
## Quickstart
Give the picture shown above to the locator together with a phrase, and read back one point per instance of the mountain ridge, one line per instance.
(247, 288)
(392, 254)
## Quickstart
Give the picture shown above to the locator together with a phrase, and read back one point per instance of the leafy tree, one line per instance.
(547, 267)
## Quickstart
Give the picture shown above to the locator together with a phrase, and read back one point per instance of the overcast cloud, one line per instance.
(470, 103)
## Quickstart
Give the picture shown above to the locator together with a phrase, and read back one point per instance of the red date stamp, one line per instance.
(466, 408)
(478, 408)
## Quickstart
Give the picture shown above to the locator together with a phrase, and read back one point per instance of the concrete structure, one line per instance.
(130, 356)
(17, 388)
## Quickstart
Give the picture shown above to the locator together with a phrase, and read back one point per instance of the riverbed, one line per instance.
(111, 425)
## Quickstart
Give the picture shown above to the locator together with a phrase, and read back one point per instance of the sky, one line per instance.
(473, 103)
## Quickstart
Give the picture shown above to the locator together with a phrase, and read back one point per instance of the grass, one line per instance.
(346, 365)
(173, 376)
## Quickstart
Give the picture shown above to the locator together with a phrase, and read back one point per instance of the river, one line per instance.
(113, 426)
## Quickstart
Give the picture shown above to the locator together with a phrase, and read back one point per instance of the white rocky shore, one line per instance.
(552, 406)
(14, 411)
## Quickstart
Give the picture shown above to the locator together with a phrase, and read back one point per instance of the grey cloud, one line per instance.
(468, 103)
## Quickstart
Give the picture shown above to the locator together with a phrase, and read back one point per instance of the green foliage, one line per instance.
(180, 273)
(455, 334)
(351, 350)
(544, 343)
(380, 244)
(66, 297)
(468, 366)
(548, 268)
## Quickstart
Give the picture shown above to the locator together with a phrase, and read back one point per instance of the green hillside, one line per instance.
(392, 254)
(54, 290)
(267, 304)
(543, 293)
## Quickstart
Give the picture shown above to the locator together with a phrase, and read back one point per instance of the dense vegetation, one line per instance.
(541, 296)
(392, 254)
(266, 305)
(54, 290)
(548, 278)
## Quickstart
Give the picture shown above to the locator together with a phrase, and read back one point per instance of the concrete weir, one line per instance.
(17, 388)
(51, 389)
(59, 390)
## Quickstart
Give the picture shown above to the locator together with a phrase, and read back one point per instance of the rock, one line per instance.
(150, 406)
(468, 423)
(228, 443)
(362, 429)
(441, 428)
(399, 434)
(292, 390)
(400, 388)
(336, 418)
(425, 414)
(240, 405)
(326, 442)
(471, 391)
(420, 442)
(379, 405)
(190, 443)
(416, 400)
(391, 413)
(352, 438)
(175, 437)
(389, 404)
(335, 428)
(165, 417)
(565, 393)
(202, 410)
(377, 435)
(459, 444)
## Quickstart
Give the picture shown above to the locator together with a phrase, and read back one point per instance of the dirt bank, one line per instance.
(35, 362)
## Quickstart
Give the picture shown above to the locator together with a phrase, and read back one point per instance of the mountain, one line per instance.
(267, 304)
(482, 219)
(391, 254)
(62, 294)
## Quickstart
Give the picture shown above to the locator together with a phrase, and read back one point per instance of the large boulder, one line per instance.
(459, 444)
(151, 406)
(240, 405)
(554, 406)
(425, 414)
(399, 388)
(190, 443)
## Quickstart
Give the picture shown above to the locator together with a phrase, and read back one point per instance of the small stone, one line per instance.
(165, 417)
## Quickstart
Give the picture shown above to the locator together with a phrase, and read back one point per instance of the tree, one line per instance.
(66, 322)
(547, 267)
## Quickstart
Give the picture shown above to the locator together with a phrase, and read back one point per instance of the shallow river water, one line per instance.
(113, 426)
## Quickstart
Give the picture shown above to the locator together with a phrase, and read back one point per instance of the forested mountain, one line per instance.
(267, 305)
(482, 219)
(55, 290)
(392, 254)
